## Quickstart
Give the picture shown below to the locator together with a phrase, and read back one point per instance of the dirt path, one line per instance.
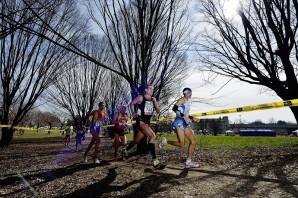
(49, 169)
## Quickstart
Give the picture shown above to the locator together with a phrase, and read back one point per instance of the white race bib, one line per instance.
(122, 123)
(98, 123)
(148, 109)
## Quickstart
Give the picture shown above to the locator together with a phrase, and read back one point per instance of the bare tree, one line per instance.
(153, 54)
(40, 19)
(159, 43)
(259, 49)
(83, 84)
(117, 93)
(12, 8)
(37, 118)
(29, 64)
(146, 38)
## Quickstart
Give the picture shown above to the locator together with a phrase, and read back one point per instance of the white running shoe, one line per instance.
(156, 163)
(162, 142)
(190, 164)
(97, 161)
(124, 153)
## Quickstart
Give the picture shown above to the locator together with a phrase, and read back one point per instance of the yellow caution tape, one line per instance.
(272, 105)
(264, 106)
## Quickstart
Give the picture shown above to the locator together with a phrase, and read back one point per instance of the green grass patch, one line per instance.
(203, 141)
(207, 141)
(42, 134)
(245, 142)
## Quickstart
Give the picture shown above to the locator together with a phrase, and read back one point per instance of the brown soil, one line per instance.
(48, 169)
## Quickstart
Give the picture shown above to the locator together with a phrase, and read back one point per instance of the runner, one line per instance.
(96, 120)
(181, 125)
(120, 121)
(67, 136)
(142, 108)
(79, 137)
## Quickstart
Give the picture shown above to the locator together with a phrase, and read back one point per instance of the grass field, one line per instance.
(220, 141)
(41, 134)
(205, 141)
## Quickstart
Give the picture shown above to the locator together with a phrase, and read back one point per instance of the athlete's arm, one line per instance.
(156, 105)
(137, 100)
(91, 123)
(115, 119)
(177, 105)
(90, 118)
(106, 119)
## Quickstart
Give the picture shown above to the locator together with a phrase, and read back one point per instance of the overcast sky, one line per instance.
(236, 93)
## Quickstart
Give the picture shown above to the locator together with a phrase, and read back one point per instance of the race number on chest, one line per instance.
(148, 109)
(98, 123)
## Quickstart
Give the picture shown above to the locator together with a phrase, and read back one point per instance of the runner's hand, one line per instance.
(134, 115)
(187, 119)
(154, 100)
(94, 135)
(196, 119)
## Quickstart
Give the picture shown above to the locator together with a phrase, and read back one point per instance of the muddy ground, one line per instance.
(48, 169)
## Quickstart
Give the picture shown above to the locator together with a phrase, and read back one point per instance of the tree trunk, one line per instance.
(295, 112)
(292, 94)
(6, 136)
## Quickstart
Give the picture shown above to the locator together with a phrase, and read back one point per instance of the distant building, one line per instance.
(212, 125)
(279, 129)
(221, 125)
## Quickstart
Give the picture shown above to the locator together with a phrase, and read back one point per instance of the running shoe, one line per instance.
(162, 142)
(124, 153)
(156, 163)
(97, 161)
(190, 164)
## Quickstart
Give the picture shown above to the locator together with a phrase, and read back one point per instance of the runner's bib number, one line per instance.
(98, 123)
(148, 109)
(122, 123)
